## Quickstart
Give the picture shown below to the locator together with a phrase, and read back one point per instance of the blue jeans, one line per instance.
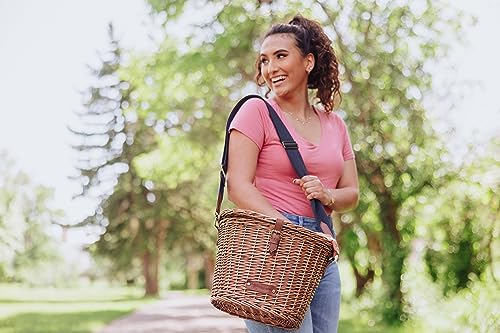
(322, 316)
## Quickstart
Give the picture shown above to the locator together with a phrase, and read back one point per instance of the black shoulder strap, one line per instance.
(291, 148)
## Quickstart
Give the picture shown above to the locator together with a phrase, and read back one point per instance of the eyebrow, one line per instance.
(275, 52)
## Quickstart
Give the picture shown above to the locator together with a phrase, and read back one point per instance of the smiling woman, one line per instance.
(293, 58)
(321, 68)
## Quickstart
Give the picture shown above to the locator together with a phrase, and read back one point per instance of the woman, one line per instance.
(293, 58)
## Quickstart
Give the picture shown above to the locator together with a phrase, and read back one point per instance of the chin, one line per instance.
(280, 93)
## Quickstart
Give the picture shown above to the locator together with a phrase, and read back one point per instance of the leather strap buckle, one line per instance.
(290, 145)
(275, 238)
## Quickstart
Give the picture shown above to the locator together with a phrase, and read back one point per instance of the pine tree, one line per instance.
(112, 134)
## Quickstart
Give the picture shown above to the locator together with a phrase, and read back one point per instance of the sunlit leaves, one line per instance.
(461, 221)
(26, 245)
(186, 89)
(174, 162)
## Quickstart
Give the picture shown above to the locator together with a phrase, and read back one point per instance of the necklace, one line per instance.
(303, 122)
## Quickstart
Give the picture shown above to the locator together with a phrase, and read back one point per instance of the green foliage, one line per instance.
(105, 131)
(26, 246)
(384, 50)
(464, 217)
(114, 131)
(184, 90)
(176, 161)
(473, 309)
(172, 9)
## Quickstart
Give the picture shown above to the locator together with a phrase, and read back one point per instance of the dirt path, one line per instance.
(177, 313)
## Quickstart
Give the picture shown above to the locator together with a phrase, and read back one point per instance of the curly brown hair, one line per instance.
(310, 38)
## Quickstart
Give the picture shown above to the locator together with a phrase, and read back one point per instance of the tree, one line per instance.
(187, 93)
(464, 223)
(384, 48)
(9, 233)
(112, 134)
(25, 219)
(184, 178)
(185, 89)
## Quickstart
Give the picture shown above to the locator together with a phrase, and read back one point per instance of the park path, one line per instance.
(177, 313)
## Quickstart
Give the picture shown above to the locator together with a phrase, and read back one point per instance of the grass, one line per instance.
(353, 322)
(354, 326)
(86, 310)
(76, 310)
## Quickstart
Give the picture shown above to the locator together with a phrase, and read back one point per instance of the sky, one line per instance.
(45, 47)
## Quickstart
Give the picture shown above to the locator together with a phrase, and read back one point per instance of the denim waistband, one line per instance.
(305, 221)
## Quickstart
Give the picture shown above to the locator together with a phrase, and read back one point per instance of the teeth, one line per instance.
(278, 78)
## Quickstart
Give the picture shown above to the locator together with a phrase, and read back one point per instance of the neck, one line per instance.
(298, 105)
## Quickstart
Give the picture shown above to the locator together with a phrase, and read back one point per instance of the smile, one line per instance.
(278, 79)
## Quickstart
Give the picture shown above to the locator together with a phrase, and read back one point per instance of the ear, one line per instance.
(309, 62)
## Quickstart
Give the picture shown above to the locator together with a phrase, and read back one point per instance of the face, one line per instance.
(283, 67)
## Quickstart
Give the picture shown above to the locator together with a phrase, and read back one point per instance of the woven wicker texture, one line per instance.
(286, 281)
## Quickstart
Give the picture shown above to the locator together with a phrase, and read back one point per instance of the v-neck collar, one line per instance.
(292, 130)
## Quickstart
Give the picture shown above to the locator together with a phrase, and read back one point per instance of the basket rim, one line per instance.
(226, 304)
(319, 236)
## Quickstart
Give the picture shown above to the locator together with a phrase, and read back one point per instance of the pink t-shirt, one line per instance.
(274, 173)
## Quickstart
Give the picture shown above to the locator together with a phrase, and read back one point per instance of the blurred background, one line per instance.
(112, 120)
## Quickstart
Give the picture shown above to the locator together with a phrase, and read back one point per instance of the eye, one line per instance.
(264, 61)
(280, 55)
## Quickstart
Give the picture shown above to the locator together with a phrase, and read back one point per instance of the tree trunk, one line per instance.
(150, 271)
(362, 280)
(192, 271)
(151, 260)
(393, 256)
(209, 261)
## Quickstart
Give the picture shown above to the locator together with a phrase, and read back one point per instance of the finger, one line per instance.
(308, 178)
(312, 189)
(304, 178)
(312, 184)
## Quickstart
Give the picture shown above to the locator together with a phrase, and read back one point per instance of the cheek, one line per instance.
(263, 71)
(264, 74)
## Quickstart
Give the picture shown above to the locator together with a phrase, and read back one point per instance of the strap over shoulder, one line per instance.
(291, 149)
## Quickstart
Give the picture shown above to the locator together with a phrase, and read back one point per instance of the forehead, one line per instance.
(278, 42)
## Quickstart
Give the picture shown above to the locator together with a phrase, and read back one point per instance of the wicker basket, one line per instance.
(267, 270)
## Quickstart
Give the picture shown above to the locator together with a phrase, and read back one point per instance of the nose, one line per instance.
(272, 67)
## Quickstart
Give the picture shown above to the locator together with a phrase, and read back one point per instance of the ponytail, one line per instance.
(311, 38)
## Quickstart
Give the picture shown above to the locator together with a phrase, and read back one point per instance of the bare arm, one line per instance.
(242, 163)
(346, 194)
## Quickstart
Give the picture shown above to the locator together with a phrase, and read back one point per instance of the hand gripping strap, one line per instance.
(291, 149)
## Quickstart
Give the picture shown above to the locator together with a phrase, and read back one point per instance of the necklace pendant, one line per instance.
(303, 122)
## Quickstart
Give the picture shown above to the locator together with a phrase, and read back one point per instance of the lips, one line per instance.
(278, 79)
